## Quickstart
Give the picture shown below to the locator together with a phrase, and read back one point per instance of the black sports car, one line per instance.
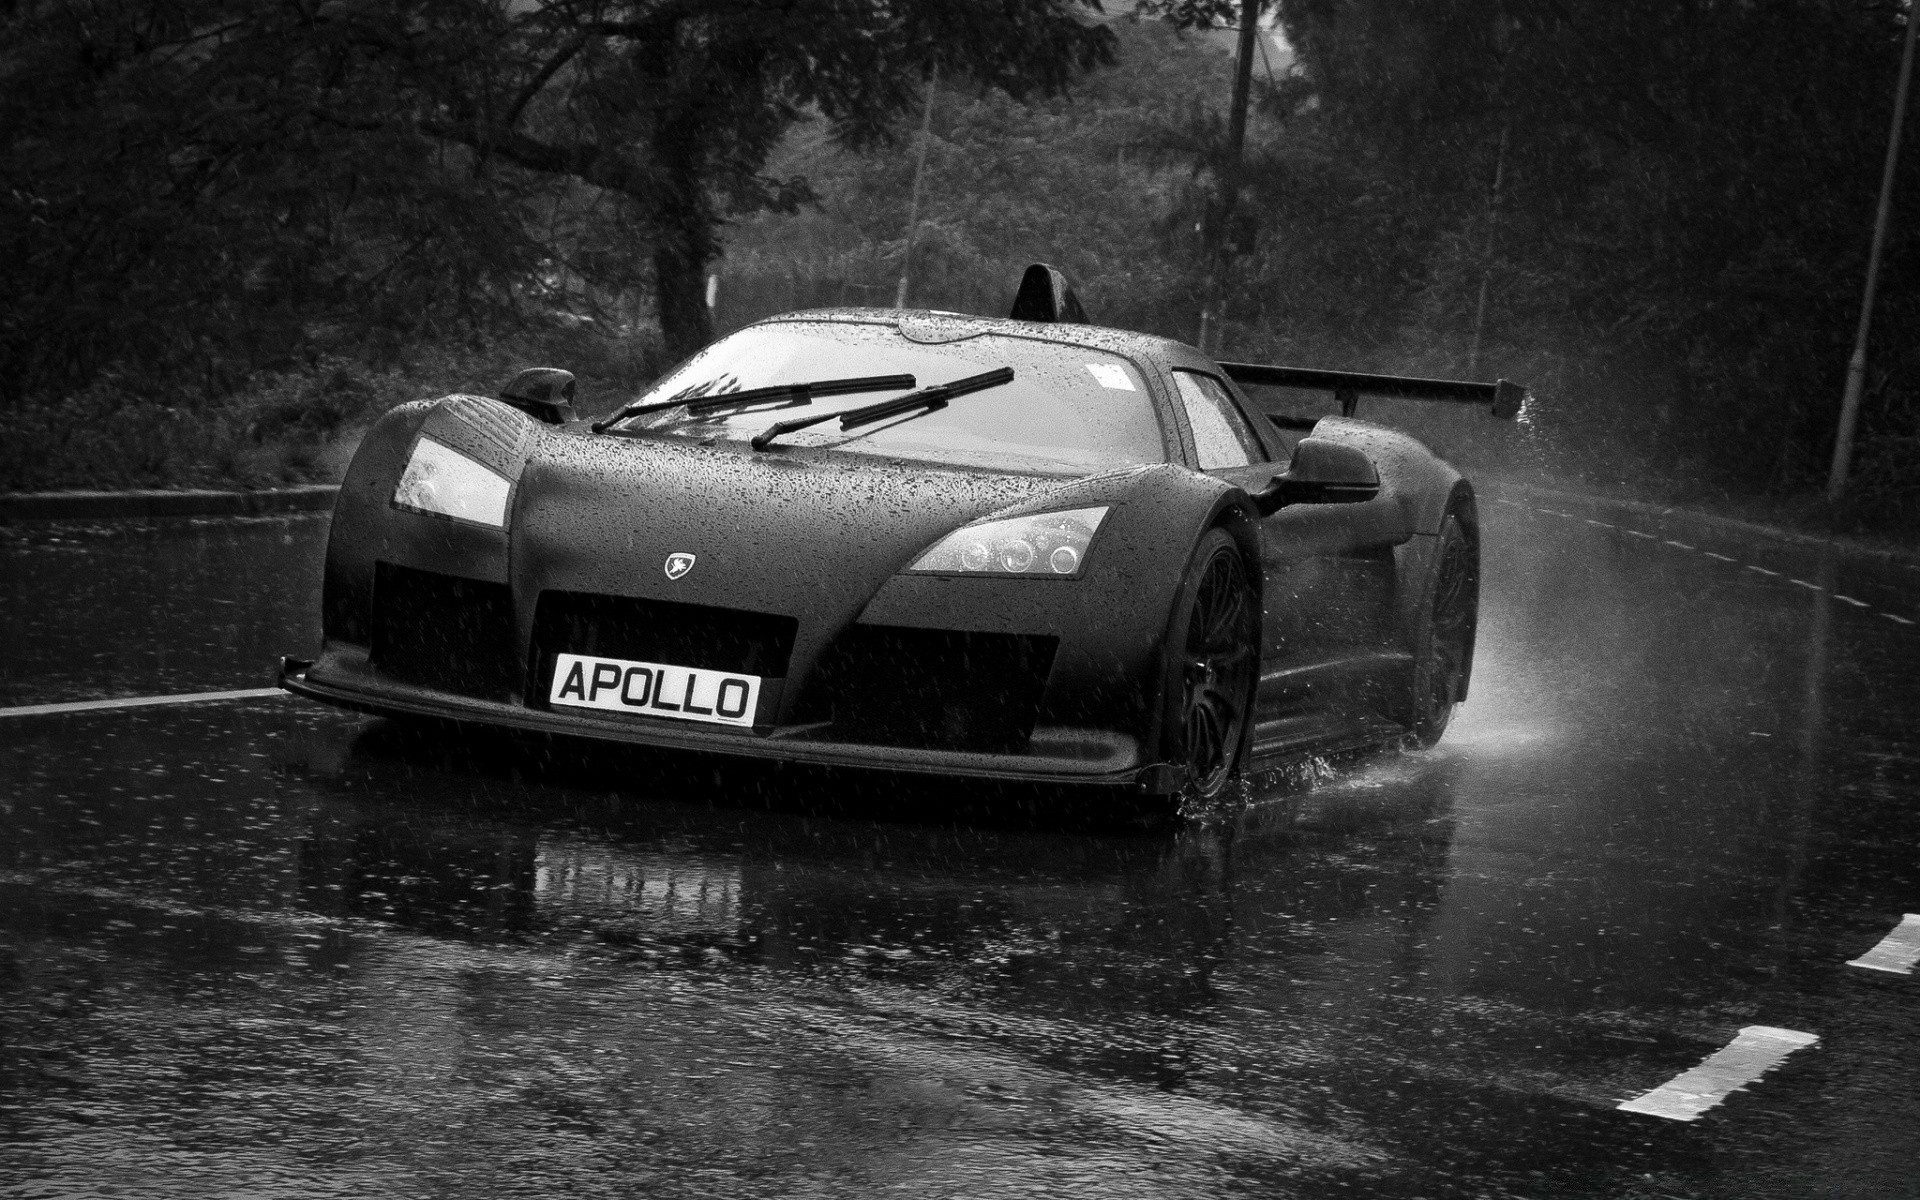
(1028, 549)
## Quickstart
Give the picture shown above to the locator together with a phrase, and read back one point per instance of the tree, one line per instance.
(692, 96)
(179, 170)
(1226, 162)
(1692, 182)
(183, 203)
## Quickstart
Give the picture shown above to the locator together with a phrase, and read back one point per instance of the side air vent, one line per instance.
(444, 632)
(936, 689)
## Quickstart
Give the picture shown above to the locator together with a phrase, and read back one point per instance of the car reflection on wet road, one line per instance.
(258, 946)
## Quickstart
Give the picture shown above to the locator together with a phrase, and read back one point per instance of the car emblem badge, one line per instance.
(678, 564)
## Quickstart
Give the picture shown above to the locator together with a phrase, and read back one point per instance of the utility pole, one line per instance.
(1217, 251)
(919, 177)
(1857, 365)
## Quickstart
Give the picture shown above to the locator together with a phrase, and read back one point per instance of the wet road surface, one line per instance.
(266, 948)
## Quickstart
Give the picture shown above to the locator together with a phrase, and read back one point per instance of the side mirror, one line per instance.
(1322, 472)
(545, 393)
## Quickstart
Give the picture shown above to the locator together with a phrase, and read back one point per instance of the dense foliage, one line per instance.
(1672, 253)
(1100, 183)
(1686, 192)
(200, 189)
(1654, 211)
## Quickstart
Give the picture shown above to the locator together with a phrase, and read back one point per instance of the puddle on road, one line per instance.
(137, 608)
(281, 949)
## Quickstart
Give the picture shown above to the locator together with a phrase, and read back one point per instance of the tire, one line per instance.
(1443, 640)
(1211, 664)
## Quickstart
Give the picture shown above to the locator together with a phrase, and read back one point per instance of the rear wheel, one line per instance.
(1443, 642)
(1212, 663)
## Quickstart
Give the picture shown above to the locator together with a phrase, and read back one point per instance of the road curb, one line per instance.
(1687, 517)
(84, 506)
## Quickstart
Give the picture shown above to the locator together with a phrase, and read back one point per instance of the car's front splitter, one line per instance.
(1101, 760)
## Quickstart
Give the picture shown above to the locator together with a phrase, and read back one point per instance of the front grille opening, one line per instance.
(660, 631)
(444, 632)
(935, 689)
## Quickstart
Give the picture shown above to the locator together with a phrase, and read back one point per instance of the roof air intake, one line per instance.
(1045, 295)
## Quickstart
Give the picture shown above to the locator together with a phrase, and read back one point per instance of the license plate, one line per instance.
(654, 689)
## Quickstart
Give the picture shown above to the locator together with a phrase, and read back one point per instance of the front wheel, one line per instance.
(1443, 640)
(1212, 661)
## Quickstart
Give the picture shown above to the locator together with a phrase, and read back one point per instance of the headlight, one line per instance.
(1052, 544)
(449, 484)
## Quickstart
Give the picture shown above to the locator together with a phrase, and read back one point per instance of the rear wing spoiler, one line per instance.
(1503, 397)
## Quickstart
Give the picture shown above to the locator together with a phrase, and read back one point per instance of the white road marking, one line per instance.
(1757, 1050)
(1712, 554)
(1897, 952)
(39, 710)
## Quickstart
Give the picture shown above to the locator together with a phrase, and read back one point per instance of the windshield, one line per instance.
(1068, 409)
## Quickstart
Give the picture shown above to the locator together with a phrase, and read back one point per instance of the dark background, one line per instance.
(236, 231)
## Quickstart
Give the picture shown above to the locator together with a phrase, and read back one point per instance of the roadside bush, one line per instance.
(283, 427)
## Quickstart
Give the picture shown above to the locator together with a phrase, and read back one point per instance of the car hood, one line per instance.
(809, 536)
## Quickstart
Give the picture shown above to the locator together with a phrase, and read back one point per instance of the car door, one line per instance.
(1329, 568)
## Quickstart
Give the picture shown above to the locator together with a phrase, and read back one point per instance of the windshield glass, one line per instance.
(1068, 409)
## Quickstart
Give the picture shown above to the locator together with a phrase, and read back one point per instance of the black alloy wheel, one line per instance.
(1444, 641)
(1213, 661)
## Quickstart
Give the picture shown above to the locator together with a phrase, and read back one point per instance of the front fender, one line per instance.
(1112, 621)
(367, 527)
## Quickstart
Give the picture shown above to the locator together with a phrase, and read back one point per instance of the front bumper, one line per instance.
(343, 677)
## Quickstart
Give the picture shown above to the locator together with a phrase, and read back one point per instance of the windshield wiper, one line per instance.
(795, 394)
(928, 399)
